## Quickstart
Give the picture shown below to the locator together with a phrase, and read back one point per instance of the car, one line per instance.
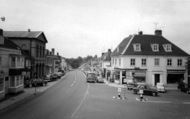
(53, 77)
(130, 85)
(184, 88)
(100, 79)
(47, 77)
(147, 90)
(91, 77)
(160, 87)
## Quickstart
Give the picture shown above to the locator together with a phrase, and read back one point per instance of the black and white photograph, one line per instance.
(94, 59)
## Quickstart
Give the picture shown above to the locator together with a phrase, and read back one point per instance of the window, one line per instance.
(12, 81)
(13, 61)
(1, 84)
(143, 62)
(167, 47)
(115, 61)
(119, 61)
(156, 61)
(137, 47)
(179, 62)
(169, 62)
(132, 62)
(155, 47)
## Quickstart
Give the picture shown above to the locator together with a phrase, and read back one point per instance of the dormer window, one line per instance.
(155, 47)
(167, 47)
(137, 47)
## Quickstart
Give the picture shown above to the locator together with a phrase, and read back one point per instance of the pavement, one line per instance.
(73, 98)
(28, 93)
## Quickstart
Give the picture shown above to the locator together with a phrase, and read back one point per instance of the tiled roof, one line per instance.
(146, 41)
(121, 46)
(23, 34)
(9, 44)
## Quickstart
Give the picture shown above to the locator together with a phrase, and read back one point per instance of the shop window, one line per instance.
(1, 84)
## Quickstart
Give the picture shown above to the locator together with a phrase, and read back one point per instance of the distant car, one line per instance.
(130, 86)
(100, 79)
(47, 77)
(91, 77)
(53, 77)
(160, 87)
(147, 90)
(184, 88)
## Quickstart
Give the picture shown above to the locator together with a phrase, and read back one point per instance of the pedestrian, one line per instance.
(119, 92)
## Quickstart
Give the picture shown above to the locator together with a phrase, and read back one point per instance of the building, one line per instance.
(106, 64)
(34, 43)
(151, 59)
(53, 62)
(11, 67)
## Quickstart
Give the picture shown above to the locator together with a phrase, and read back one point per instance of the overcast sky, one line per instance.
(88, 27)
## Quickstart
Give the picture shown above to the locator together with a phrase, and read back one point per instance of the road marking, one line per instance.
(74, 80)
(151, 101)
(85, 95)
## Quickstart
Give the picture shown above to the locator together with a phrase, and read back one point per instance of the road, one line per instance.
(73, 98)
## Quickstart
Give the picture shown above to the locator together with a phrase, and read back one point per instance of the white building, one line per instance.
(150, 59)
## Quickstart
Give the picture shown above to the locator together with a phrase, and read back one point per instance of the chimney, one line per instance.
(158, 32)
(1, 37)
(109, 51)
(57, 54)
(140, 33)
(53, 51)
(29, 30)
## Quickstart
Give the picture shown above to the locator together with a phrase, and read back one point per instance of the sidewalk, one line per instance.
(116, 85)
(28, 93)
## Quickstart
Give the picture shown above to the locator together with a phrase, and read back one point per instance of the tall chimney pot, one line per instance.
(158, 32)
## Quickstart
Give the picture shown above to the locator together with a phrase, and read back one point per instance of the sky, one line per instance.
(89, 27)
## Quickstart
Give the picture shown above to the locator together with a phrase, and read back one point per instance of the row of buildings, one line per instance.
(23, 56)
(146, 58)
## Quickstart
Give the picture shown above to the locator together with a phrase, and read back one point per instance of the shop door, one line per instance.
(156, 79)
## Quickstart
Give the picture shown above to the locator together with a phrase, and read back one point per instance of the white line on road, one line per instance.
(85, 95)
(74, 80)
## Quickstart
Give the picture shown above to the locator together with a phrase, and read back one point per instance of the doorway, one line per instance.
(156, 79)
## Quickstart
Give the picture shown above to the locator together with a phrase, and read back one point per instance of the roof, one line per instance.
(24, 34)
(121, 46)
(9, 44)
(146, 41)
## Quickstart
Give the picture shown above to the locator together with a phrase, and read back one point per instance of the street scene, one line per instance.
(99, 59)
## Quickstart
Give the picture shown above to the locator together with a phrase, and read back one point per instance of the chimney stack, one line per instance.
(140, 33)
(53, 51)
(2, 40)
(29, 30)
(158, 32)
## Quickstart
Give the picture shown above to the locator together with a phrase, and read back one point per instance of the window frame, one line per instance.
(155, 47)
(132, 62)
(169, 62)
(143, 61)
(137, 47)
(156, 62)
(179, 62)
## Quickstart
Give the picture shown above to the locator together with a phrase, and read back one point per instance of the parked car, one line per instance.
(100, 79)
(47, 77)
(91, 77)
(130, 86)
(147, 90)
(160, 87)
(184, 88)
(53, 77)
